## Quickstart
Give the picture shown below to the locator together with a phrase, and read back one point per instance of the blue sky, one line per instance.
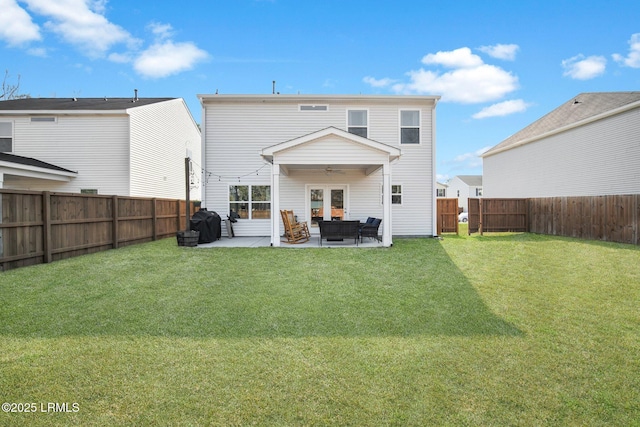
(498, 65)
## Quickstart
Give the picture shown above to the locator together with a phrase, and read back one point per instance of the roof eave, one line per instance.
(583, 122)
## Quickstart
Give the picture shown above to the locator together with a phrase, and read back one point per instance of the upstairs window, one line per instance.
(357, 122)
(410, 127)
(6, 137)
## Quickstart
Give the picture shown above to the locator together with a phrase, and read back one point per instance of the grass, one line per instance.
(501, 329)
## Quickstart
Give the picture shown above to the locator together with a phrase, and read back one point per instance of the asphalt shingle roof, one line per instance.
(581, 107)
(28, 161)
(471, 180)
(70, 104)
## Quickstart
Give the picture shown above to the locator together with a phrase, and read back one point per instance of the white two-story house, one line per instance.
(113, 146)
(322, 156)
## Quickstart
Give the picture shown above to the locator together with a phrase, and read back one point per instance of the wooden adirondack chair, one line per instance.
(294, 231)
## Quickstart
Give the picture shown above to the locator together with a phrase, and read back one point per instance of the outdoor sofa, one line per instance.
(339, 230)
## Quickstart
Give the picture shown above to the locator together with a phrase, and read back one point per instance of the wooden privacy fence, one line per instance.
(614, 218)
(447, 211)
(41, 227)
(487, 215)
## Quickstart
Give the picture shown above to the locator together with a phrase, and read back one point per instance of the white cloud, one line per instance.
(443, 178)
(168, 58)
(37, 51)
(81, 23)
(470, 80)
(465, 85)
(471, 159)
(501, 51)
(16, 26)
(633, 58)
(121, 58)
(580, 67)
(161, 31)
(458, 58)
(378, 82)
(502, 109)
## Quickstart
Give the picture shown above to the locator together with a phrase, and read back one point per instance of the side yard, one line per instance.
(500, 329)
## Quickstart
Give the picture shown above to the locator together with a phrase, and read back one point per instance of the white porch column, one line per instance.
(386, 205)
(1, 182)
(275, 204)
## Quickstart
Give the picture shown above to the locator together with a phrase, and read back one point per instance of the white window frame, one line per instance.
(397, 194)
(366, 126)
(11, 136)
(250, 202)
(419, 127)
(392, 194)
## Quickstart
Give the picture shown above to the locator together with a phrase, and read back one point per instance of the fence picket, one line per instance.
(41, 227)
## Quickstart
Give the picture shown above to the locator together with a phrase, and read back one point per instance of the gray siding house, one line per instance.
(588, 146)
(322, 156)
(120, 146)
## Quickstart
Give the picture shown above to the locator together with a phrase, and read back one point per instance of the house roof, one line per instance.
(471, 180)
(318, 99)
(393, 152)
(28, 161)
(579, 110)
(75, 104)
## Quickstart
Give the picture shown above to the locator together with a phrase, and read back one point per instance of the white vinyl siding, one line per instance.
(237, 130)
(599, 158)
(163, 132)
(95, 146)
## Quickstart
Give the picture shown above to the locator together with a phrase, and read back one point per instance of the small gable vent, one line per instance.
(314, 107)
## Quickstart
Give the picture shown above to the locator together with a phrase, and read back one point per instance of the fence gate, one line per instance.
(447, 212)
(473, 215)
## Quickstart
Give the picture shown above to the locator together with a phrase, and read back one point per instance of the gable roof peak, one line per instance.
(582, 107)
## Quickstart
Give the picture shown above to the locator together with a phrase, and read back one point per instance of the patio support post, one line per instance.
(275, 204)
(386, 205)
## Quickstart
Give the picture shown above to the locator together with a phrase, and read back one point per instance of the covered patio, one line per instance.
(322, 151)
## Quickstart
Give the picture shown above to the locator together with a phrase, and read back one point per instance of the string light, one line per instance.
(209, 174)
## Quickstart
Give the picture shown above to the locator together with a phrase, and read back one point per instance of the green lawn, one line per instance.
(501, 329)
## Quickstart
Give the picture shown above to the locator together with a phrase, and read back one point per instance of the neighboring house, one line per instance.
(588, 146)
(441, 189)
(322, 156)
(114, 146)
(463, 187)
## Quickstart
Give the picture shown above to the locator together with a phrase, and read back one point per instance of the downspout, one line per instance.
(275, 204)
(434, 205)
(203, 155)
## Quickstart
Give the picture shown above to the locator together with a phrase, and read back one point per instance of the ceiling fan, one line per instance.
(330, 171)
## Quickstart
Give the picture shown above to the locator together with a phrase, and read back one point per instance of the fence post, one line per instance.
(46, 224)
(154, 219)
(481, 215)
(179, 221)
(115, 229)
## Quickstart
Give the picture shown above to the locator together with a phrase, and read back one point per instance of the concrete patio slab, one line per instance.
(264, 241)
